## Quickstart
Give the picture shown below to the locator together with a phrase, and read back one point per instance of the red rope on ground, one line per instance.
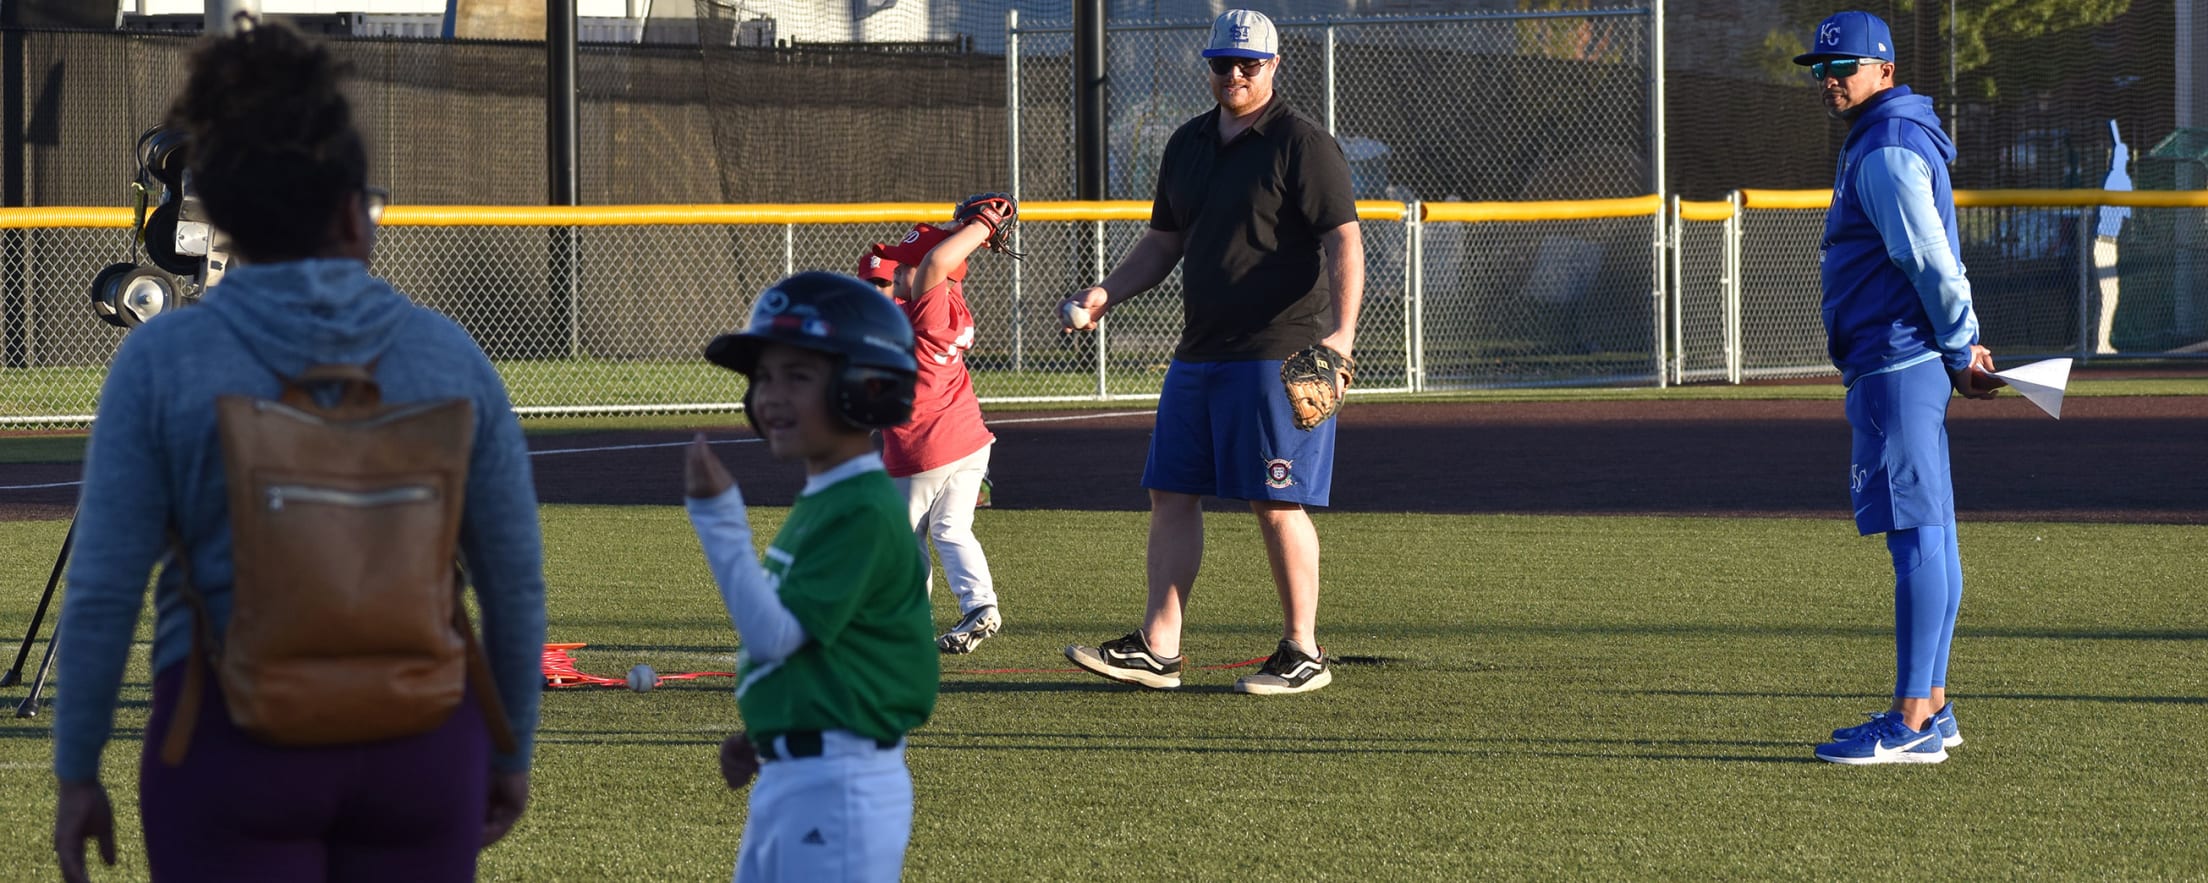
(560, 671)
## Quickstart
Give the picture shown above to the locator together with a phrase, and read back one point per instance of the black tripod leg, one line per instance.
(29, 706)
(14, 674)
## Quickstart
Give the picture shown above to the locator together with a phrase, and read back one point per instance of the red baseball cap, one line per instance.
(917, 244)
(876, 265)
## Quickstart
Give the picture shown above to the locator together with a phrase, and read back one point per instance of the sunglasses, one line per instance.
(1248, 66)
(1841, 69)
(374, 199)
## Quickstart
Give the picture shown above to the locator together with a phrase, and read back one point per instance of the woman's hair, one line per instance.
(270, 139)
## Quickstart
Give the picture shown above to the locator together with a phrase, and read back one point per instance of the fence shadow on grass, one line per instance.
(1091, 685)
(1725, 750)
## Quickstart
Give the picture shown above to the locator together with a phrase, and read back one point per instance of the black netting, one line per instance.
(462, 122)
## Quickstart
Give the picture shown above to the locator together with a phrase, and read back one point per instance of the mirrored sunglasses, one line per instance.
(1840, 69)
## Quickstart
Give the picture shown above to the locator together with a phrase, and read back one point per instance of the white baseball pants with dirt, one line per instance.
(941, 504)
(843, 816)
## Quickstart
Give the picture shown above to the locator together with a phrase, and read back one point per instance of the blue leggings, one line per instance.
(1928, 590)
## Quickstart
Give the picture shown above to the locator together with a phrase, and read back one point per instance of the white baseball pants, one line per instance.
(942, 509)
(843, 816)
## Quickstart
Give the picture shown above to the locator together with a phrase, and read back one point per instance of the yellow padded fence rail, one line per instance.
(61, 217)
(1713, 210)
(671, 215)
(1819, 199)
(1559, 210)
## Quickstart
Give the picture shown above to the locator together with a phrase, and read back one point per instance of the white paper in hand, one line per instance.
(2041, 383)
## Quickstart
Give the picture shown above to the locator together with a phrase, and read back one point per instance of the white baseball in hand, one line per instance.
(1074, 317)
(642, 678)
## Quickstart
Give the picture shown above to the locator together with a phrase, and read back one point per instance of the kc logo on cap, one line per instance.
(1850, 34)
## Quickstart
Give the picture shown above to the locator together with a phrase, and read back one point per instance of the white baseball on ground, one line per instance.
(1072, 315)
(642, 678)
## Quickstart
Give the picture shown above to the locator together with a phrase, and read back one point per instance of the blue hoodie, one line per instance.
(1895, 295)
(155, 463)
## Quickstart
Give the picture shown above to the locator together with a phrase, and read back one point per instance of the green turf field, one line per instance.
(1519, 697)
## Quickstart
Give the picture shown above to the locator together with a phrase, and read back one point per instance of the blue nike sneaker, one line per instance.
(1943, 721)
(1886, 740)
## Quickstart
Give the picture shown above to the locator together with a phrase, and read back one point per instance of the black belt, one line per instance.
(800, 744)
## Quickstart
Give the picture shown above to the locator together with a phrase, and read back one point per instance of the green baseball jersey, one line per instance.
(846, 566)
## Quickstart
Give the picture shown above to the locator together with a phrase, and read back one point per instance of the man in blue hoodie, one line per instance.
(1901, 330)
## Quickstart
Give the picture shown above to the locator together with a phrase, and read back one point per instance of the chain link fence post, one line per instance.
(1731, 287)
(1330, 80)
(2085, 252)
(1103, 357)
(1012, 162)
(1414, 336)
(1675, 254)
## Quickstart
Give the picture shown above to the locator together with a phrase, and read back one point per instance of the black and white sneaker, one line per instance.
(976, 626)
(1128, 660)
(1288, 671)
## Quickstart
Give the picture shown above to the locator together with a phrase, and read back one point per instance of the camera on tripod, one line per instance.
(186, 252)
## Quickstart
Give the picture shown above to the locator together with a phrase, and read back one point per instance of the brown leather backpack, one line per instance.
(346, 618)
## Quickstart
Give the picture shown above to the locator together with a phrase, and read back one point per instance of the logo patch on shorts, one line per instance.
(1278, 474)
(1857, 477)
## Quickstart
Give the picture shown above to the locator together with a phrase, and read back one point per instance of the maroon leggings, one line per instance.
(239, 809)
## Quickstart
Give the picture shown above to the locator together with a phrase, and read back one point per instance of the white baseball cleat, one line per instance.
(976, 626)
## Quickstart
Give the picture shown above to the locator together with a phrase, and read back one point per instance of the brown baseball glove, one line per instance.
(1316, 379)
(998, 211)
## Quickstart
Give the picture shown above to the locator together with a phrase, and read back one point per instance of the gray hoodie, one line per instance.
(154, 463)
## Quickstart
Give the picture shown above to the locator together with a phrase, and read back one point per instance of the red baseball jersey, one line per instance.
(946, 424)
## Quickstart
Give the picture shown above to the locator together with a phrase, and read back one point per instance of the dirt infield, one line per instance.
(2108, 459)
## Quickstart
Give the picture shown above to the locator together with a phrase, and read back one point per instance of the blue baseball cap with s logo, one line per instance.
(1849, 35)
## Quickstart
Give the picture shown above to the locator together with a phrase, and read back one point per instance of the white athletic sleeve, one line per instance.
(1894, 186)
(770, 633)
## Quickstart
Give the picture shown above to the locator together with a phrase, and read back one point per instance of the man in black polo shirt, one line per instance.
(1253, 202)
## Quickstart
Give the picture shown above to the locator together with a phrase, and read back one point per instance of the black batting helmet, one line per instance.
(842, 317)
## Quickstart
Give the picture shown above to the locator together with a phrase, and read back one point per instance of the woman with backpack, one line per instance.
(277, 748)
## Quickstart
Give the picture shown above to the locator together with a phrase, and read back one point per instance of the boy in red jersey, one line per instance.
(940, 458)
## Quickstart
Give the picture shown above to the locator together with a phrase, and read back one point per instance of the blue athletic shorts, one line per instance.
(1898, 472)
(1225, 430)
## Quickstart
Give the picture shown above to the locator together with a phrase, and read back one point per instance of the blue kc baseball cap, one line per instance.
(1243, 33)
(1850, 35)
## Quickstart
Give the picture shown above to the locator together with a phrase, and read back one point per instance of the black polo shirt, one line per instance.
(1250, 213)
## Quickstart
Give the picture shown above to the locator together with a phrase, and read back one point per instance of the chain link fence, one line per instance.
(596, 319)
(1537, 303)
(1702, 306)
(1782, 332)
(2043, 283)
(1466, 106)
(613, 318)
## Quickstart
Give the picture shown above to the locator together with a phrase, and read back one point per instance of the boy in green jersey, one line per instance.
(838, 657)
